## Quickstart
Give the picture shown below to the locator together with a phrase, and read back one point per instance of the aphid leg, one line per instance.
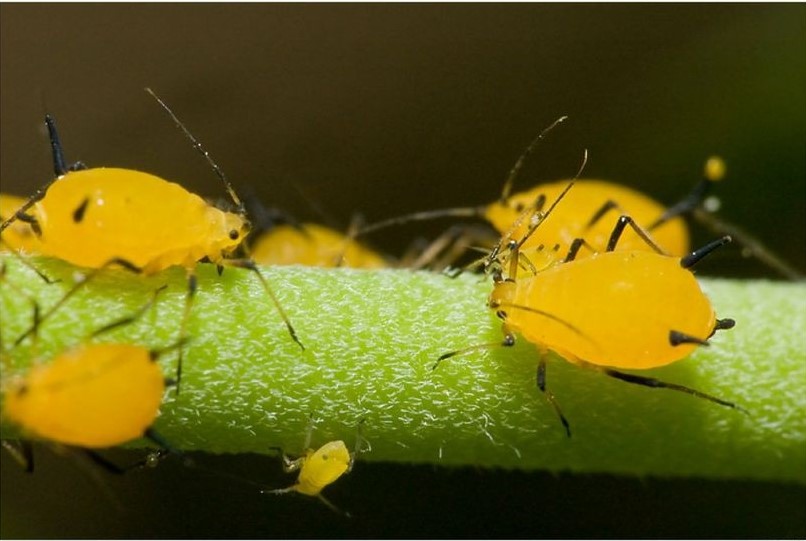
(332, 507)
(34, 305)
(576, 245)
(462, 245)
(131, 318)
(279, 490)
(165, 449)
(355, 224)
(450, 244)
(658, 384)
(508, 341)
(22, 452)
(541, 384)
(359, 447)
(463, 212)
(289, 464)
(618, 230)
(91, 275)
(191, 294)
(250, 265)
(45, 278)
(104, 462)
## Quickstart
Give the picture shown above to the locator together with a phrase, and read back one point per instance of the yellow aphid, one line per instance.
(572, 219)
(616, 309)
(322, 467)
(92, 216)
(91, 396)
(101, 217)
(313, 245)
(18, 236)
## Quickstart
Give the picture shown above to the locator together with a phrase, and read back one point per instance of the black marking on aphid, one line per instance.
(539, 203)
(677, 338)
(81, 210)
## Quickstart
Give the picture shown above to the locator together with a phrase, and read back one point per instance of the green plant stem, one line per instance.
(371, 339)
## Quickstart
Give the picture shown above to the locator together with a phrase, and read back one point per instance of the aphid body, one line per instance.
(582, 205)
(613, 309)
(89, 396)
(313, 245)
(19, 236)
(322, 467)
(92, 216)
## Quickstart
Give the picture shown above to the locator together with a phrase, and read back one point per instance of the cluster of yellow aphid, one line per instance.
(621, 252)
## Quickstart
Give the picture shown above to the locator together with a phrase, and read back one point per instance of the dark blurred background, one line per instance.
(326, 110)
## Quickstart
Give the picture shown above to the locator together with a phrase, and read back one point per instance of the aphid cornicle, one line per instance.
(102, 217)
(618, 309)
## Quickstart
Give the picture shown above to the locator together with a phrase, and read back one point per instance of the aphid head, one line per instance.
(234, 230)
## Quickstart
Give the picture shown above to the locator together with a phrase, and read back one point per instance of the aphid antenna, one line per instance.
(201, 150)
(463, 212)
(547, 315)
(456, 212)
(533, 227)
(536, 218)
(516, 169)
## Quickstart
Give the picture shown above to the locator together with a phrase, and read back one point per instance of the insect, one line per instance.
(313, 245)
(102, 217)
(584, 215)
(92, 395)
(319, 468)
(612, 310)
(19, 236)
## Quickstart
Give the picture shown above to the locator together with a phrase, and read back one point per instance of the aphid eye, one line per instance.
(519, 207)
(233, 234)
